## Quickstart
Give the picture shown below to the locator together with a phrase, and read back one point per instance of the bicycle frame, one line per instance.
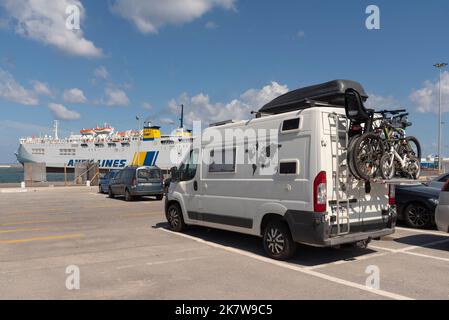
(395, 155)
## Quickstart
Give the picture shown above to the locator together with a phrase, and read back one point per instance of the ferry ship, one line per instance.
(110, 149)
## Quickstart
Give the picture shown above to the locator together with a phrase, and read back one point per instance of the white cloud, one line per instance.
(45, 21)
(166, 121)
(200, 107)
(60, 112)
(101, 73)
(427, 98)
(74, 95)
(149, 15)
(22, 127)
(11, 90)
(378, 102)
(116, 97)
(41, 88)
(211, 25)
(300, 34)
(147, 106)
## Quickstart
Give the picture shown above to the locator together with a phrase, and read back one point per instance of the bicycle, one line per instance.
(368, 136)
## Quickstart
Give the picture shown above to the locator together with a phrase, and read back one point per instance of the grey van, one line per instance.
(134, 182)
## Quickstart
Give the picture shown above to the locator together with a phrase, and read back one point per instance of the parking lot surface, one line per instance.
(123, 250)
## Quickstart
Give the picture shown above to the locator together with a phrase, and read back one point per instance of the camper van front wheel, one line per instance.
(174, 218)
(277, 240)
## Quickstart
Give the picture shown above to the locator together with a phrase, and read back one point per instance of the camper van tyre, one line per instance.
(110, 194)
(277, 240)
(175, 218)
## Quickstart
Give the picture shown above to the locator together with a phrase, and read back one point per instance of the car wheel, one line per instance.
(159, 197)
(175, 218)
(417, 216)
(110, 194)
(128, 196)
(277, 241)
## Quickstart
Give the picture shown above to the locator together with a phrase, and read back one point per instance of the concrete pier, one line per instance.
(124, 251)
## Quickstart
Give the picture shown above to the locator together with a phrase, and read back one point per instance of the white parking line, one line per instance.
(286, 265)
(426, 256)
(402, 250)
(340, 262)
(430, 232)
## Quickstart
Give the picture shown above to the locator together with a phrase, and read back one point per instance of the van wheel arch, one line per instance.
(271, 217)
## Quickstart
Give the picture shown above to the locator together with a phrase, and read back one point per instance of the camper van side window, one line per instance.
(288, 167)
(222, 161)
(290, 125)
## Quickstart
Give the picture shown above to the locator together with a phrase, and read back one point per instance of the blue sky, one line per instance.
(221, 58)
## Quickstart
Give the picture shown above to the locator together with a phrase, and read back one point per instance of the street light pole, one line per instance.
(138, 140)
(440, 67)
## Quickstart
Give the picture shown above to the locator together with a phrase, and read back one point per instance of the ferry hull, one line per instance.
(57, 156)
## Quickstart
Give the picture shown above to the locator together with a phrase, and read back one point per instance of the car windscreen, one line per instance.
(144, 175)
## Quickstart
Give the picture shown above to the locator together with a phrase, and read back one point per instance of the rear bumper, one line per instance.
(313, 229)
(355, 237)
(147, 191)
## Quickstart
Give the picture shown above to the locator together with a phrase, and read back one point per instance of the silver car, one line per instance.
(442, 211)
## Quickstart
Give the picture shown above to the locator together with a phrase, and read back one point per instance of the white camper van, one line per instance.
(293, 187)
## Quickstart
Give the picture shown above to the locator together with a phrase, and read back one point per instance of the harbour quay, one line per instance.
(50, 237)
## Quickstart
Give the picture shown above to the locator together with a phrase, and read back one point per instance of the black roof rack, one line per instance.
(331, 93)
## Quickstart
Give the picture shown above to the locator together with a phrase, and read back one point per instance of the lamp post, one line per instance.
(440, 67)
(138, 140)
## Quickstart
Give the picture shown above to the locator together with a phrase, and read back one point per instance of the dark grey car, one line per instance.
(134, 182)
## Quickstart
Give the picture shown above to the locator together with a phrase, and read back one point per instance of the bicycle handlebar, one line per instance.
(391, 111)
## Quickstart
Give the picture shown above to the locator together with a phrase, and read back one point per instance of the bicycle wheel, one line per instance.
(413, 147)
(387, 167)
(414, 168)
(351, 153)
(368, 151)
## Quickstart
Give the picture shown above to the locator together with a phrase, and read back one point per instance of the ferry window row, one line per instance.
(67, 152)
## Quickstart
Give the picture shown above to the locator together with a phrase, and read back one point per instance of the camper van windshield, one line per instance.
(187, 170)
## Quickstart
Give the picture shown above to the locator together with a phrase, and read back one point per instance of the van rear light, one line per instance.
(391, 195)
(446, 187)
(320, 192)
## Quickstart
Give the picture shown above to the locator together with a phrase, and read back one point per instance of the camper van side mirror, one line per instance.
(174, 174)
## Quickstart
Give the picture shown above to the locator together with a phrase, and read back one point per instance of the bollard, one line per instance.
(87, 183)
(22, 185)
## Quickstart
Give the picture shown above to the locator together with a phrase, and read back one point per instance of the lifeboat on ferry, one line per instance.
(106, 130)
(87, 132)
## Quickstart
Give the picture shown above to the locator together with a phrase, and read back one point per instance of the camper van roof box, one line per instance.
(222, 123)
(330, 93)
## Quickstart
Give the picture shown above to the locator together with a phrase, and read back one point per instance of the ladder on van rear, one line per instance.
(339, 126)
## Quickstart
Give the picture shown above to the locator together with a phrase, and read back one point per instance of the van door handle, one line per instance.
(195, 185)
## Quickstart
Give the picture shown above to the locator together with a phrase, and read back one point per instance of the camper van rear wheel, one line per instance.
(277, 240)
(174, 218)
